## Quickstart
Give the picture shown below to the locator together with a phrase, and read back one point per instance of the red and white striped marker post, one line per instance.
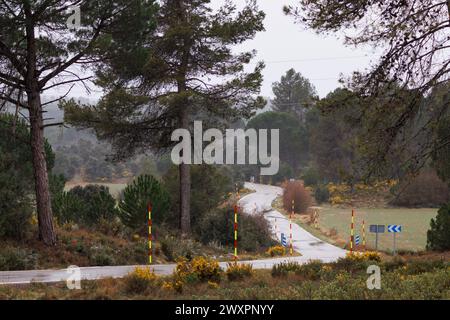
(352, 231)
(276, 227)
(291, 250)
(150, 237)
(316, 219)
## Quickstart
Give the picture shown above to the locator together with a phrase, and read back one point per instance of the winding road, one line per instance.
(310, 247)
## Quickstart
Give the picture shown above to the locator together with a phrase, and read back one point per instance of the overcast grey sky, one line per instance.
(284, 45)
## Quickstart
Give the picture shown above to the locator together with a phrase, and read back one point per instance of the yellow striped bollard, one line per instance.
(352, 231)
(150, 236)
(291, 249)
(236, 209)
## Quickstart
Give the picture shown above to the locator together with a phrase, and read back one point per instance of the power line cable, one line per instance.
(316, 59)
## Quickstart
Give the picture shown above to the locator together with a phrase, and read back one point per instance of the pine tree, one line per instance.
(184, 71)
(41, 45)
(293, 94)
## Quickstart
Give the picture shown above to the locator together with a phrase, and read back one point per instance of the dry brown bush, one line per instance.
(295, 190)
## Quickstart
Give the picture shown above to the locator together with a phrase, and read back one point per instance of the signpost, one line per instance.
(374, 228)
(394, 229)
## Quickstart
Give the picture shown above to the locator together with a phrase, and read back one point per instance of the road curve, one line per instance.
(260, 201)
(310, 247)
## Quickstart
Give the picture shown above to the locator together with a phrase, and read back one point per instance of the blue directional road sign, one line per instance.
(394, 228)
(283, 240)
(376, 228)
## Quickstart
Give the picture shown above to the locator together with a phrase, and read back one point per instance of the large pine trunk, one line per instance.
(37, 141)
(43, 202)
(185, 184)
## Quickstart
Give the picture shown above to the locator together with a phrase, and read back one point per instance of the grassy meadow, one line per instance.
(415, 224)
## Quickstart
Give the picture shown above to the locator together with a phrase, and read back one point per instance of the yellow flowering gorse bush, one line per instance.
(199, 268)
(364, 256)
(237, 271)
(144, 274)
(276, 251)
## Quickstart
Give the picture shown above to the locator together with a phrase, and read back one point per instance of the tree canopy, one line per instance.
(186, 69)
(41, 50)
(293, 94)
(415, 62)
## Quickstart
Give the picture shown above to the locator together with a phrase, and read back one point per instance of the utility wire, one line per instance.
(316, 59)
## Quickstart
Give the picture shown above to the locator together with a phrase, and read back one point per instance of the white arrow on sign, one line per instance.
(394, 228)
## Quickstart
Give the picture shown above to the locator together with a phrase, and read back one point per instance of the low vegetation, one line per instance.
(236, 271)
(426, 277)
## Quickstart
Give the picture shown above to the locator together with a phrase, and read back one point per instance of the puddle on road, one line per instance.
(317, 243)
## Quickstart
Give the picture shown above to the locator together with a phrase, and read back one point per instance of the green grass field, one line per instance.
(415, 224)
(114, 188)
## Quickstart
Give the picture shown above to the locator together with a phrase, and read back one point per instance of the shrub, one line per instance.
(173, 284)
(111, 227)
(85, 205)
(425, 190)
(372, 256)
(168, 248)
(282, 269)
(276, 251)
(321, 194)
(394, 264)
(295, 190)
(363, 256)
(438, 237)
(12, 259)
(101, 256)
(198, 269)
(139, 281)
(66, 207)
(174, 248)
(135, 199)
(254, 232)
(237, 271)
(310, 271)
(422, 266)
(353, 262)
